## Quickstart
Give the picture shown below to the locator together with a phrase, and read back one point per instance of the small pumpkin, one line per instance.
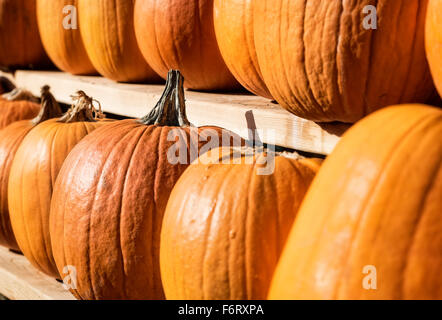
(109, 38)
(20, 43)
(62, 41)
(32, 176)
(19, 104)
(341, 60)
(235, 35)
(123, 174)
(179, 34)
(370, 226)
(434, 40)
(226, 223)
(10, 139)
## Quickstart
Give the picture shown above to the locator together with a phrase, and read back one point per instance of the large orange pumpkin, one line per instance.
(109, 38)
(179, 34)
(61, 37)
(20, 43)
(226, 224)
(10, 139)
(123, 175)
(434, 40)
(235, 35)
(371, 224)
(17, 105)
(34, 169)
(322, 60)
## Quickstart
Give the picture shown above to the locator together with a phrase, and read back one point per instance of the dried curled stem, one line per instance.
(6, 85)
(49, 107)
(83, 109)
(20, 94)
(171, 109)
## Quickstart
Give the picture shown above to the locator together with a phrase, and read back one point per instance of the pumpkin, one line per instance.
(235, 35)
(10, 139)
(61, 37)
(226, 224)
(179, 34)
(20, 42)
(32, 176)
(370, 226)
(434, 40)
(108, 35)
(112, 236)
(17, 105)
(322, 61)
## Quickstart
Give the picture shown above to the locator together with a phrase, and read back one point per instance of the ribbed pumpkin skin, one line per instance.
(179, 34)
(35, 167)
(225, 227)
(434, 40)
(320, 63)
(109, 39)
(64, 47)
(20, 42)
(107, 211)
(12, 111)
(235, 35)
(376, 201)
(10, 139)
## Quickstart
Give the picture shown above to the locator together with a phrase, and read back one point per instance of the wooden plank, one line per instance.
(230, 111)
(19, 280)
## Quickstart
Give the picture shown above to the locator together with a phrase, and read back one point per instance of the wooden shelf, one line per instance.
(230, 111)
(19, 280)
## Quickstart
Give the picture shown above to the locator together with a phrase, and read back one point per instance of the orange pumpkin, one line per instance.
(434, 40)
(370, 226)
(10, 139)
(235, 35)
(179, 34)
(20, 43)
(17, 105)
(61, 37)
(112, 236)
(226, 224)
(322, 60)
(109, 38)
(32, 176)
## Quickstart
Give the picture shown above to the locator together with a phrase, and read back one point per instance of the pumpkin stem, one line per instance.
(83, 110)
(6, 85)
(20, 94)
(49, 107)
(171, 109)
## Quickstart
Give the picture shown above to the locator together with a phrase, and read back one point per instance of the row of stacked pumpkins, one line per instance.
(315, 58)
(102, 196)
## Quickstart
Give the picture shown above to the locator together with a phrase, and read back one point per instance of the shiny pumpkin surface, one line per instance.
(376, 202)
(434, 40)
(235, 35)
(109, 38)
(322, 61)
(33, 173)
(108, 206)
(10, 139)
(179, 34)
(12, 111)
(226, 224)
(64, 46)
